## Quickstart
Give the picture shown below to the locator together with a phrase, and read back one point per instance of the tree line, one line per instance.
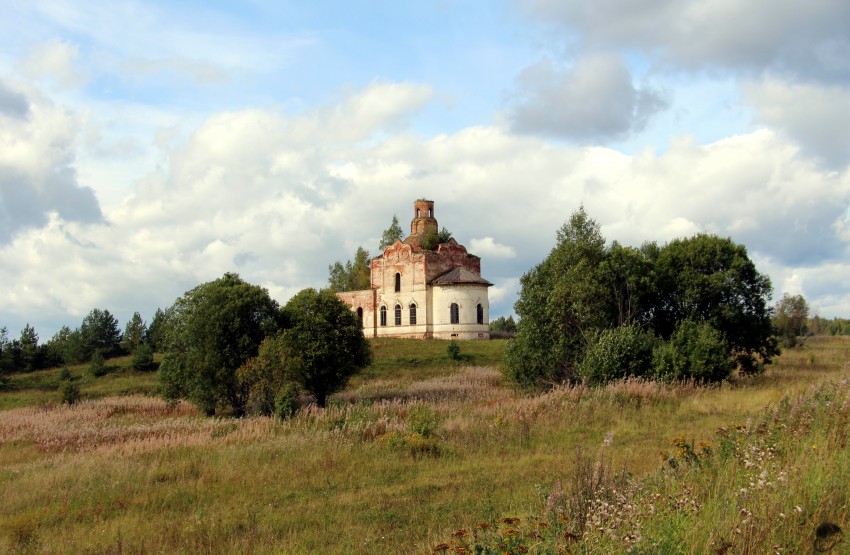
(98, 335)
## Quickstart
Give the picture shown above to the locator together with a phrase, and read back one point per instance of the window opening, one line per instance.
(398, 314)
(454, 311)
(383, 316)
(480, 313)
(412, 314)
(360, 313)
(397, 282)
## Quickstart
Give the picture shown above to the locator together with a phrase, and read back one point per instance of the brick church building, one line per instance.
(424, 292)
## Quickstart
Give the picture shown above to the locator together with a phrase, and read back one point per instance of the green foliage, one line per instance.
(422, 420)
(211, 331)
(323, 343)
(29, 352)
(502, 324)
(444, 236)
(583, 288)
(97, 365)
(69, 392)
(287, 402)
(64, 373)
(621, 352)
(391, 235)
(353, 276)
(696, 351)
(561, 305)
(264, 376)
(711, 279)
(134, 333)
(156, 330)
(453, 350)
(99, 332)
(790, 318)
(143, 358)
(173, 380)
(430, 241)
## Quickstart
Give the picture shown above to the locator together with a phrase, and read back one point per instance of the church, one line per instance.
(422, 289)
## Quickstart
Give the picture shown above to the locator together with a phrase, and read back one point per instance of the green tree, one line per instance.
(155, 332)
(391, 235)
(30, 355)
(791, 317)
(353, 276)
(502, 324)
(211, 331)
(562, 305)
(134, 333)
(100, 332)
(265, 376)
(97, 365)
(323, 343)
(710, 279)
(143, 358)
(5, 355)
(444, 236)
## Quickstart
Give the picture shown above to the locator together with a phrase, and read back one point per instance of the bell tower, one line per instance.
(423, 218)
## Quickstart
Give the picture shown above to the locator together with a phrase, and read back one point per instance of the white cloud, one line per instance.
(593, 100)
(55, 60)
(800, 37)
(816, 116)
(487, 247)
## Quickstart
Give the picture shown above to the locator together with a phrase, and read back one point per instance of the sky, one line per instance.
(148, 147)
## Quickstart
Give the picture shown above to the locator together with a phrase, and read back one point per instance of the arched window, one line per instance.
(480, 313)
(412, 314)
(398, 314)
(360, 314)
(454, 312)
(383, 316)
(397, 282)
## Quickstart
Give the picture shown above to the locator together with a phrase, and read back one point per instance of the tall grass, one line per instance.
(401, 461)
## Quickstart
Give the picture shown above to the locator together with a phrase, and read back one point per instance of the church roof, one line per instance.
(460, 275)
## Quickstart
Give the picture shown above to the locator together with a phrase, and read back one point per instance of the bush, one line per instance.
(64, 374)
(422, 420)
(143, 358)
(453, 350)
(697, 351)
(69, 392)
(618, 353)
(287, 402)
(97, 366)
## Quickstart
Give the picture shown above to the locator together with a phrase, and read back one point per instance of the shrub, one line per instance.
(618, 353)
(97, 366)
(143, 358)
(64, 374)
(422, 421)
(697, 351)
(287, 402)
(69, 392)
(453, 350)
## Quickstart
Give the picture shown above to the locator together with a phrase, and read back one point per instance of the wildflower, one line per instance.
(798, 509)
(462, 533)
(441, 547)
(510, 520)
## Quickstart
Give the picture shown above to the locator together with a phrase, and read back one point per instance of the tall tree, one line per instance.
(791, 316)
(391, 235)
(156, 330)
(134, 333)
(561, 306)
(211, 331)
(100, 332)
(5, 355)
(711, 279)
(353, 276)
(323, 343)
(30, 354)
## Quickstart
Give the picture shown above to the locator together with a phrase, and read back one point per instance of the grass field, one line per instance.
(421, 453)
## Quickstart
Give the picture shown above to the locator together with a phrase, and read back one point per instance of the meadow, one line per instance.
(425, 454)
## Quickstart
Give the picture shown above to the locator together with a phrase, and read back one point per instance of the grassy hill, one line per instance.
(422, 453)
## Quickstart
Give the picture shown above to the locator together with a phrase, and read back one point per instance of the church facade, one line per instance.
(421, 289)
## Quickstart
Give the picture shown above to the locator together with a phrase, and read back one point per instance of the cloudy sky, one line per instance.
(147, 147)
